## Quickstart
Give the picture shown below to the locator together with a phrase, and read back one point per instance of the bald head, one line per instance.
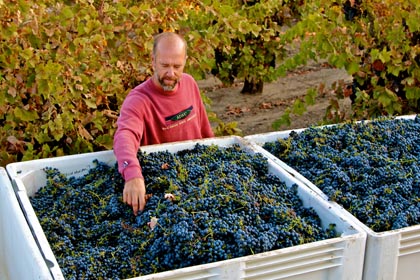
(169, 40)
(168, 60)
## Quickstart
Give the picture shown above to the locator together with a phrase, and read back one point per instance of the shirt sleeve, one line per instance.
(127, 139)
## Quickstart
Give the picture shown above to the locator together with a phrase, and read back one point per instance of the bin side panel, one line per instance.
(20, 256)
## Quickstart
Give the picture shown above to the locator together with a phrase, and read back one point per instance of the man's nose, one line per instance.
(170, 72)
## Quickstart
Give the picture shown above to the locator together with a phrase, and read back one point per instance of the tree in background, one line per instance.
(245, 36)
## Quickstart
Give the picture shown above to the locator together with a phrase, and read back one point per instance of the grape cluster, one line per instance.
(209, 204)
(370, 168)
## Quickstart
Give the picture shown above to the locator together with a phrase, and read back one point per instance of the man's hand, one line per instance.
(134, 194)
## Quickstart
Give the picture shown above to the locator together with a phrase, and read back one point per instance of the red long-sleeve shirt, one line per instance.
(150, 115)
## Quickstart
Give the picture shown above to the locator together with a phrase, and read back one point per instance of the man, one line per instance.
(165, 108)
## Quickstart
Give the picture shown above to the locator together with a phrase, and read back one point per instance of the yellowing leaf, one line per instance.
(386, 98)
(27, 53)
(25, 115)
(12, 91)
(67, 13)
(78, 87)
(385, 56)
(84, 133)
(105, 141)
(90, 103)
(353, 67)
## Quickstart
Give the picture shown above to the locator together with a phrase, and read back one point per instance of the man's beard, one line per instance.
(167, 87)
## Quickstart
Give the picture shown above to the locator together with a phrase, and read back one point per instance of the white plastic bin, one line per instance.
(336, 258)
(390, 255)
(20, 257)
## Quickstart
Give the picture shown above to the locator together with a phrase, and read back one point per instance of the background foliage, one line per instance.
(376, 41)
(66, 67)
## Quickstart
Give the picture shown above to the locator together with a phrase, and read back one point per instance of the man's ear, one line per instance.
(153, 61)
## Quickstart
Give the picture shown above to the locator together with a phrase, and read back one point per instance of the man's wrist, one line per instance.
(131, 172)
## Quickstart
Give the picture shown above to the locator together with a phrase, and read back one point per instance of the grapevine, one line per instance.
(205, 204)
(370, 168)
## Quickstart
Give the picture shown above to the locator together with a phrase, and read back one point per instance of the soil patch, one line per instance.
(255, 113)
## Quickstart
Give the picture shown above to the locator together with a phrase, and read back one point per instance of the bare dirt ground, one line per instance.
(256, 113)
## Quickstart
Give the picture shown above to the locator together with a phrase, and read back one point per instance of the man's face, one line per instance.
(168, 64)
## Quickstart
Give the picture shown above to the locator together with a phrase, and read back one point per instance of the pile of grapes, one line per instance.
(370, 168)
(206, 204)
